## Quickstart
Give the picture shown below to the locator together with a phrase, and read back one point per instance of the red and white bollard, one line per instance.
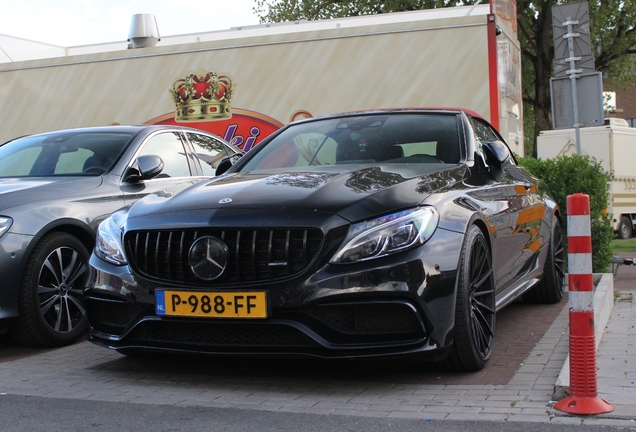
(583, 397)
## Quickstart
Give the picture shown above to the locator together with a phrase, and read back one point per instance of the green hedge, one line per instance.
(567, 175)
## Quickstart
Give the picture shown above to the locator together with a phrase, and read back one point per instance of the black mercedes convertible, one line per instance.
(356, 235)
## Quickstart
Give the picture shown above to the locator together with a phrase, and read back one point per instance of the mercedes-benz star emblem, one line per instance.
(208, 257)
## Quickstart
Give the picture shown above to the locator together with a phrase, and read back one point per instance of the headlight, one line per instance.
(387, 235)
(5, 224)
(108, 245)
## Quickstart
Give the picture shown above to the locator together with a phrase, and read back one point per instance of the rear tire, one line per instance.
(625, 229)
(51, 300)
(552, 285)
(475, 308)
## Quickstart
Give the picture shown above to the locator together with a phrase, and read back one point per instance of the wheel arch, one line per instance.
(481, 224)
(84, 234)
(73, 227)
(479, 221)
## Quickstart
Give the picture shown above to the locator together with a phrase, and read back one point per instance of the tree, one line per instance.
(293, 10)
(613, 39)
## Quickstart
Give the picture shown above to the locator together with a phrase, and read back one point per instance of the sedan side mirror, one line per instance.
(226, 163)
(145, 168)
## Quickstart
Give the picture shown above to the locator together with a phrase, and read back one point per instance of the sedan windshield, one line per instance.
(404, 138)
(62, 154)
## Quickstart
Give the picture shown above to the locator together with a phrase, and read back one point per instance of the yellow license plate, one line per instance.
(247, 304)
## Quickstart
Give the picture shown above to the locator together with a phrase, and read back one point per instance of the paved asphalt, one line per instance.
(85, 387)
(20, 413)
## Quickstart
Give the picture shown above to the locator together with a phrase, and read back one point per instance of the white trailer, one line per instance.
(614, 147)
(466, 57)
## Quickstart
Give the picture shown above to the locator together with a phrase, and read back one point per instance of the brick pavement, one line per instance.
(616, 355)
(516, 387)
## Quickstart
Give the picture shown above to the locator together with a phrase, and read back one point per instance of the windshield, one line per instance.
(364, 139)
(62, 154)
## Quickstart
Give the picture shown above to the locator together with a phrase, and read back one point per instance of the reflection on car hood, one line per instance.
(352, 191)
(15, 191)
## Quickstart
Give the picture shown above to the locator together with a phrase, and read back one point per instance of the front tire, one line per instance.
(475, 308)
(51, 304)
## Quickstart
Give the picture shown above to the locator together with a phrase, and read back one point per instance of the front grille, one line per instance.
(220, 334)
(255, 255)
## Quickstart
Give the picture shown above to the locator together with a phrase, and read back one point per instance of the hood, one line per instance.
(353, 192)
(16, 191)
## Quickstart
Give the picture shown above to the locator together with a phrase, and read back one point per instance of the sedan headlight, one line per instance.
(387, 235)
(5, 224)
(108, 244)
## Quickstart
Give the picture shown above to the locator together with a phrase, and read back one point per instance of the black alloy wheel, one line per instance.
(552, 285)
(51, 303)
(475, 308)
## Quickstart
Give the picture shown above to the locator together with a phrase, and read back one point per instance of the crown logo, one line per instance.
(202, 96)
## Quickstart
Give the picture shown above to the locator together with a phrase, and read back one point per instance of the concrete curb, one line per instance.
(603, 306)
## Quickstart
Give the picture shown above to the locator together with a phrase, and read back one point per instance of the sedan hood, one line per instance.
(354, 192)
(16, 191)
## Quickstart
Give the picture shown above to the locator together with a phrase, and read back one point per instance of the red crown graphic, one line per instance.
(202, 96)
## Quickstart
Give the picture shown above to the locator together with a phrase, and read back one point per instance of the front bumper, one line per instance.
(398, 304)
(14, 249)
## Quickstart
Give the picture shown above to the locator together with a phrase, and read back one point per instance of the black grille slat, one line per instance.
(168, 256)
(156, 253)
(137, 243)
(270, 247)
(238, 254)
(138, 246)
(254, 255)
(146, 261)
(254, 259)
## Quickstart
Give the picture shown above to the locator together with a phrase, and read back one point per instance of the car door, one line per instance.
(178, 170)
(514, 211)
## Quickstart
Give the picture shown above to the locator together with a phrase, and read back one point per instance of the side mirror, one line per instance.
(497, 156)
(226, 163)
(145, 168)
(496, 151)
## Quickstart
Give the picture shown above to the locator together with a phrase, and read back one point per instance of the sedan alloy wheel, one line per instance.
(51, 304)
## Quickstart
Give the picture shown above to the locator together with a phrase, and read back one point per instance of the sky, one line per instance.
(84, 22)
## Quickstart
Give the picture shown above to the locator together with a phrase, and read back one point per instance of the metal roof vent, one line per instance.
(144, 32)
